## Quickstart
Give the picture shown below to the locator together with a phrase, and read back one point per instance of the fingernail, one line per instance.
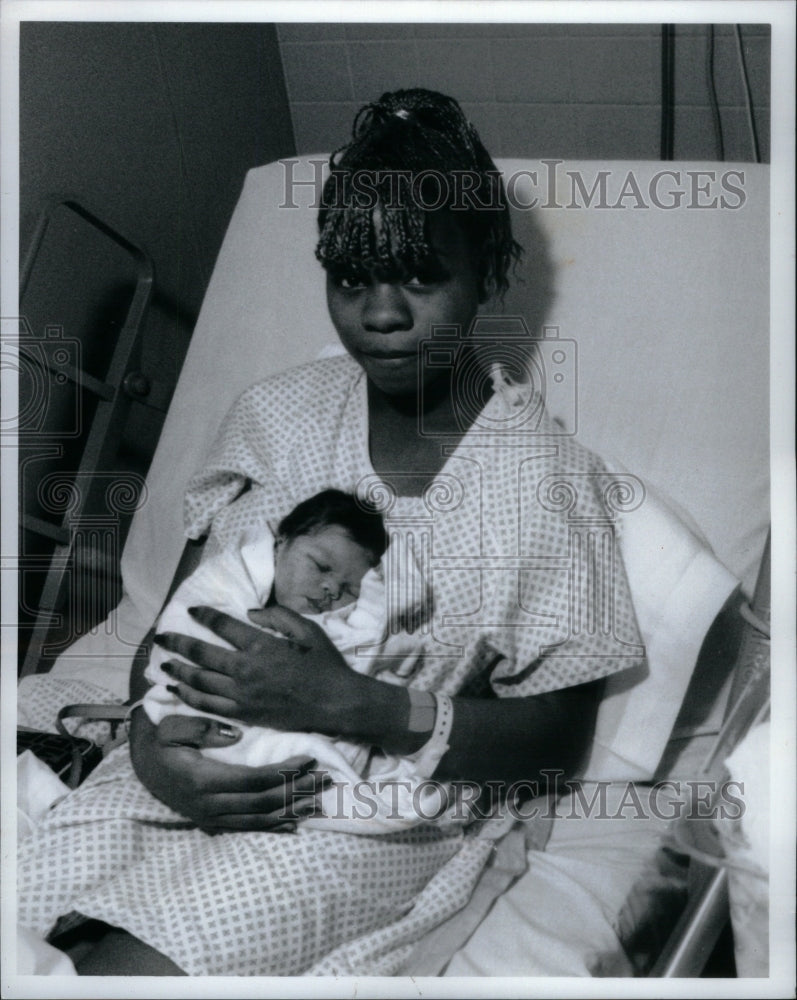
(193, 611)
(172, 688)
(303, 766)
(229, 732)
(158, 637)
(167, 668)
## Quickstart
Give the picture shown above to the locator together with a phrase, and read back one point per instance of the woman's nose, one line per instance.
(332, 589)
(386, 309)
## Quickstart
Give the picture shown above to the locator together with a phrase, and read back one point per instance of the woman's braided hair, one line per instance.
(411, 152)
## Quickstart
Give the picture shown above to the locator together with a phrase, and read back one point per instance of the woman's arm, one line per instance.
(502, 739)
(309, 687)
(511, 739)
(168, 761)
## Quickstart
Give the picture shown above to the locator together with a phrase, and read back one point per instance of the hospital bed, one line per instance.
(647, 286)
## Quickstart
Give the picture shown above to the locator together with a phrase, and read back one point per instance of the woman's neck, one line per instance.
(413, 438)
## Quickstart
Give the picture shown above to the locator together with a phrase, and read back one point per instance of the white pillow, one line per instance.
(678, 588)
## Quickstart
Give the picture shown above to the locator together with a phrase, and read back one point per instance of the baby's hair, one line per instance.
(405, 135)
(334, 507)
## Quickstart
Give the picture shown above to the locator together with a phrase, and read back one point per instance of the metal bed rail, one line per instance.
(85, 529)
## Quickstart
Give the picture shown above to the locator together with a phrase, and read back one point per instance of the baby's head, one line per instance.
(324, 548)
(414, 158)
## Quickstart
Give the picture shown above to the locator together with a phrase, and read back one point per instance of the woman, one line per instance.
(473, 471)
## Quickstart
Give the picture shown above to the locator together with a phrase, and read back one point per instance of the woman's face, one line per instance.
(383, 317)
(319, 571)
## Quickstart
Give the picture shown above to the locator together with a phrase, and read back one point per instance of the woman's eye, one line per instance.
(429, 274)
(349, 282)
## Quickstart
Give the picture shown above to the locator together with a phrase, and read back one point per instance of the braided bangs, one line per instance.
(412, 153)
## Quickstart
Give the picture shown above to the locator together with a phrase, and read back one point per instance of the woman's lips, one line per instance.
(386, 356)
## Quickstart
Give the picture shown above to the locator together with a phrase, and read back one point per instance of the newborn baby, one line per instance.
(323, 564)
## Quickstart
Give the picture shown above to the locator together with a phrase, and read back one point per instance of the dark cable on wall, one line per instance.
(747, 95)
(178, 134)
(667, 90)
(712, 94)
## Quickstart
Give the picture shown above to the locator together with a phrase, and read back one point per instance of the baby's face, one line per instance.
(320, 571)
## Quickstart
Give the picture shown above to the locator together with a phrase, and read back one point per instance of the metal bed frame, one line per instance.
(708, 910)
(86, 530)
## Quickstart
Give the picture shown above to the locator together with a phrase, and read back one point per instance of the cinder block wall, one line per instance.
(588, 91)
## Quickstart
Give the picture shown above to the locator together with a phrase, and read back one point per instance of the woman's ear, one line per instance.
(488, 300)
(486, 288)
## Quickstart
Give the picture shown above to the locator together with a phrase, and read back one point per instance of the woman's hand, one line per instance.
(290, 683)
(217, 796)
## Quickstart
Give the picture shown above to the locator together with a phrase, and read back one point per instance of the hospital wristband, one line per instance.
(423, 710)
(431, 753)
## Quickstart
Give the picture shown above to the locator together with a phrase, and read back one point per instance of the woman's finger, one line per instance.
(285, 803)
(197, 732)
(243, 782)
(214, 704)
(248, 822)
(236, 632)
(284, 818)
(205, 654)
(211, 682)
(287, 622)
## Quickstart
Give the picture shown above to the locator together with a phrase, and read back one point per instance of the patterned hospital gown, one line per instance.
(506, 568)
